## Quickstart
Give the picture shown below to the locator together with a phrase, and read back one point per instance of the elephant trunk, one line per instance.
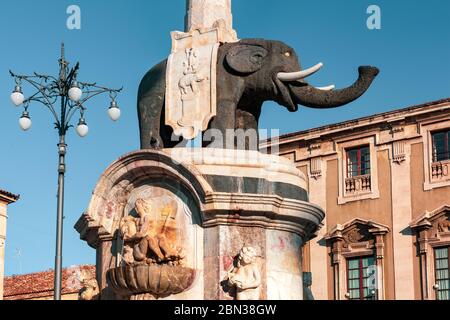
(309, 96)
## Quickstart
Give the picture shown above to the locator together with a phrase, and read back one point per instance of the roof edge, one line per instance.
(8, 196)
(267, 143)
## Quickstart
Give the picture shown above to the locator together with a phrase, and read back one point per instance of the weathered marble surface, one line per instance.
(213, 222)
(284, 277)
(222, 245)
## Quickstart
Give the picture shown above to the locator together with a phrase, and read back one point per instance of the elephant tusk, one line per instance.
(327, 88)
(293, 76)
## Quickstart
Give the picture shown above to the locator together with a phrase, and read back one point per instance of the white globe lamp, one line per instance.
(75, 92)
(114, 111)
(82, 128)
(17, 96)
(25, 121)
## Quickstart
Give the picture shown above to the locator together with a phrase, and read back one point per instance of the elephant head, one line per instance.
(274, 73)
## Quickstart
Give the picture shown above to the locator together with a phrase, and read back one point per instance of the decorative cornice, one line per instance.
(339, 230)
(425, 221)
(267, 211)
(8, 197)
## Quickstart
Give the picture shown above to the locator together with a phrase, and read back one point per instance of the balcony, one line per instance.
(358, 184)
(439, 170)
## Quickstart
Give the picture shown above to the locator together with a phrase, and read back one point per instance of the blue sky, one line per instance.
(120, 40)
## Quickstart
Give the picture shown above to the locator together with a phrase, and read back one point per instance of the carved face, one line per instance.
(247, 255)
(143, 207)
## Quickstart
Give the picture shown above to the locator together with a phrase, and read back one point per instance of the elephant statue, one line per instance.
(249, 72)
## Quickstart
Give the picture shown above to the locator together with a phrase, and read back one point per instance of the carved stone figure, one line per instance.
(444, 225)
(188, 83)
(128, 230)
(154, 264)
(128, 227)
(151, 238)
(249, 72)
(89, 290)
(246, 276)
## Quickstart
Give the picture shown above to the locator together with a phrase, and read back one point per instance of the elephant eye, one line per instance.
(287, 54)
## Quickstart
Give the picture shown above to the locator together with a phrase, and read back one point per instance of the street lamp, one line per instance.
(72, 95)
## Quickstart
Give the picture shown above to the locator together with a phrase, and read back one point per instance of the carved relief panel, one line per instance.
(166, 222)
(157, 246)
(245, 275)
(191, 82)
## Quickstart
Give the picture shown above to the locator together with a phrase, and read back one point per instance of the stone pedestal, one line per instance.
(220, 224)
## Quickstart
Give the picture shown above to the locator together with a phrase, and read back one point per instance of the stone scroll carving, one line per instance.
(246, 275)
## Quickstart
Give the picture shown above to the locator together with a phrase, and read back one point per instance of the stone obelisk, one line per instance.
(205, 14)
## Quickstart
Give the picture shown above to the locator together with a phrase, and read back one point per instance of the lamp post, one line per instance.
(72, 95)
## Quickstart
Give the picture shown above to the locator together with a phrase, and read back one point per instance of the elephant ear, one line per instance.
(246, 58)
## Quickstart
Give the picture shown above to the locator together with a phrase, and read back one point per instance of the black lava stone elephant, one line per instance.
(249, 72)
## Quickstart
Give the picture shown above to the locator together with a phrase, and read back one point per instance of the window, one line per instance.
(358, 162)
(361, 278)
(358, 170)
(442, 262)
(441, 146)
